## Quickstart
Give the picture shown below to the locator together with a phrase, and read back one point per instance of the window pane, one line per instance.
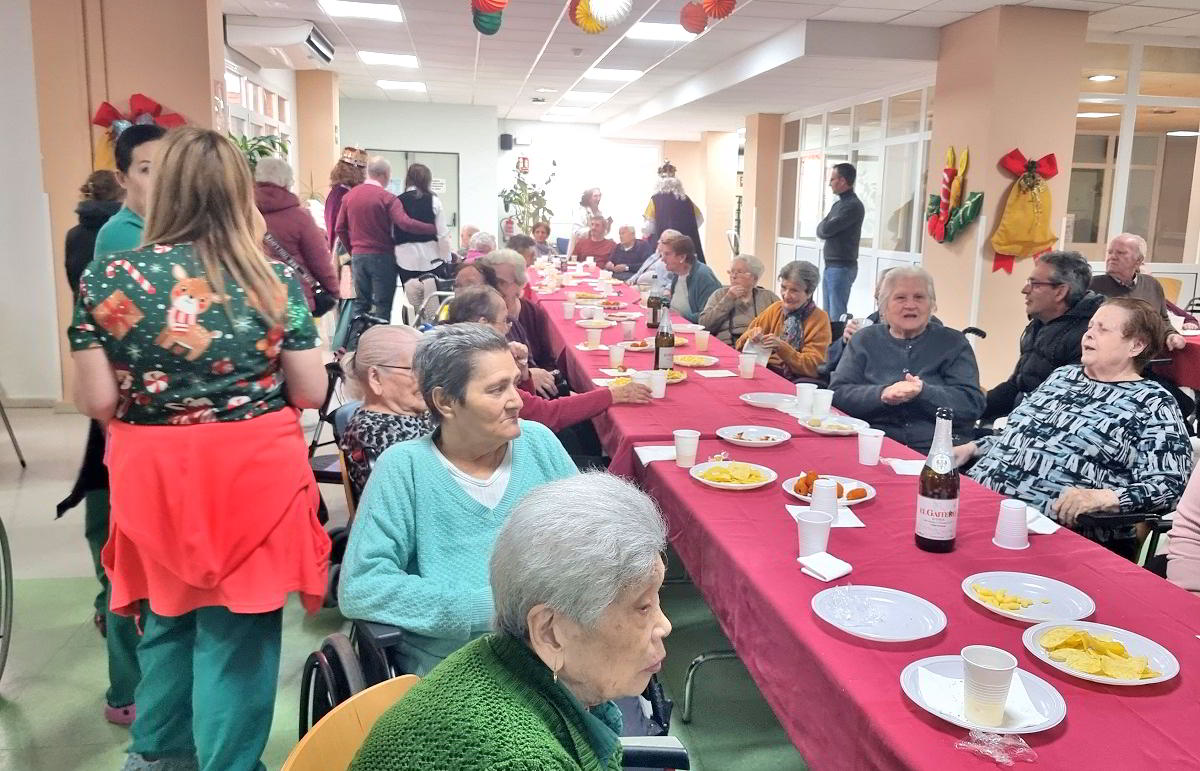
(868, 188)
(929, 109)
(812, 132)
(904, 114)
(791, 136)
(1170, 71)
(787, 199)
(269, 103)
(1145, 150)
(837, 128)
(233, 88)
(237, 126)
(812, 184)
(1137, 203)
(1091, 148)
(1108, 63)
(868, 119)
(1174, 198)
(1160, 194)
(827, 196)
(283, 109)
(899, 177)
(1084, 201)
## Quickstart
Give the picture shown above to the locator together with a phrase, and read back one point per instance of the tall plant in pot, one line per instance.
(525, 201)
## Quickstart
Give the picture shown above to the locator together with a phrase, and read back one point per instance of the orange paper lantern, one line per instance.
(489, 6)
(693, 18)
(719, 9)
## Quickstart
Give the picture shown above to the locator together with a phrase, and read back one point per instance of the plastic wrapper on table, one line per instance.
(1005, 749)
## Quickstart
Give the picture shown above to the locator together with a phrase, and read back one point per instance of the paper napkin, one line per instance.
(1039, 523)
(845, 516)
(616, 372)
(905, 468)
(823, 566)
(945, 694)
(652, 452)
(715, 373)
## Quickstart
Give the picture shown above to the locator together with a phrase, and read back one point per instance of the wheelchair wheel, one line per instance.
(6, 597)
(331, 675)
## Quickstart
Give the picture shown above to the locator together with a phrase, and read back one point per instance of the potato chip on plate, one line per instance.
(1101, 653)
(732, 475)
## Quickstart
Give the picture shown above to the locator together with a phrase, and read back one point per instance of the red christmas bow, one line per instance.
(139, 105)
(1015, 163)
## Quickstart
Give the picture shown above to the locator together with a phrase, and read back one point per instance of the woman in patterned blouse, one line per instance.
(1094, 439)
(393, 409)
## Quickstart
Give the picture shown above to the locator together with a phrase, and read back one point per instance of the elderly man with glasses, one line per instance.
(1059, 306)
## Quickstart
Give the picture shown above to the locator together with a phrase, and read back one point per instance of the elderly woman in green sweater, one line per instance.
(418, 552)
(575, 576)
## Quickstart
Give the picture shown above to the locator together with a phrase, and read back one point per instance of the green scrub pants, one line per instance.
(121, 632)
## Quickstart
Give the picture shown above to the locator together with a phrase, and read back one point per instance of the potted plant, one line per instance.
(525, 201)
(260, 147)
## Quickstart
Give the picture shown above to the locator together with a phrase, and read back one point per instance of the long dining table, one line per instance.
(839, 697)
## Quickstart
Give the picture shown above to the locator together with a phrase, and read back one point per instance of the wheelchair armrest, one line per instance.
(654, 752)
(383, 636)
(1114, 520)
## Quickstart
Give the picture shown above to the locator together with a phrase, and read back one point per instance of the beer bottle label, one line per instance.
(666, 358)
(937, 518)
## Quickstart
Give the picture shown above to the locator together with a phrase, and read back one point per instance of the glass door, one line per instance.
(443, 167)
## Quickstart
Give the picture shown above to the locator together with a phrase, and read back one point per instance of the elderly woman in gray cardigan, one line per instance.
(897, 373)
(730, 309)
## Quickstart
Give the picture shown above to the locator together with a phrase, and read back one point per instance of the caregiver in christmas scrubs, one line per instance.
(184, 348)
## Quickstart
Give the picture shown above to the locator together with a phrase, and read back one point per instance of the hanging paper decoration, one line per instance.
(585, 20)
(487, 23)
(1024, 227)
(609, 12)
(142, 110)
(949, 213)
(719, 9)
(693, 18)
(571, 8)
(489, 6)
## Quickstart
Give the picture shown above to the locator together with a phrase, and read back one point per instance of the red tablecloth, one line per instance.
(839, 697)
(1184, 368)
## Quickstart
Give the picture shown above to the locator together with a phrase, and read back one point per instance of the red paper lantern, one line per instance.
(489, 6)
(692, 18)
(571, 12)
(719, 9)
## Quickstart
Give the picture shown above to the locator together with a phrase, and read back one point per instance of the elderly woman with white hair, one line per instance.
(896, 374)
(380, 369)
(575, 576)
(418, 552)
(480, 244)
(731, 309)
(793, 329)
(292, 227)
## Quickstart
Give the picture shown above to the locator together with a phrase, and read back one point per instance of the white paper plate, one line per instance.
(1044, 697)
(585, 347)
(853, 424)
(708, 361)
(679, 341)
(1161, 659)
(700, 468)
(848, 484)
(622, 315)
(595, 323)
(688, 327)
(768, 400)
(628, 346)
(903, 616)
(770, 436)
(1189, 332)
(1066, 602)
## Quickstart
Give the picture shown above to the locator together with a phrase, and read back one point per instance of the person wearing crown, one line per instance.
(671, 209)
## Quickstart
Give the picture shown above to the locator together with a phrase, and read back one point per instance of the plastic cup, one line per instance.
(644, 292)
(642, 378)
(702, 340)
(616, 356)
(746, 362)
(627, 330)
(764, 356)
(593, 338)
(568, 310)
(987, 676)
(813, 530)
(821, 402)
(658, 384)
(1012, 531)
(804, 397)
(606, 274)
(824, 496)
(687, 442)
(589, 260)
(870, 442)
(572, 296)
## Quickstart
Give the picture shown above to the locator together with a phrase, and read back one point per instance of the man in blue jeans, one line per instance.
(841, 230)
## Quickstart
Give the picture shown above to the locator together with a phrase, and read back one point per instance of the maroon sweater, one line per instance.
(557, 414)
(366, 217)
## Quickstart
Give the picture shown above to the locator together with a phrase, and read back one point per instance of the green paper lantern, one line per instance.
(486, 23)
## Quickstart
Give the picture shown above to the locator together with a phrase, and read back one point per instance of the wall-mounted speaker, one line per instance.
(506, 141)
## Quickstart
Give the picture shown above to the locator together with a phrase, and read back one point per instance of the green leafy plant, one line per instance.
(526, 201)
(259, 147)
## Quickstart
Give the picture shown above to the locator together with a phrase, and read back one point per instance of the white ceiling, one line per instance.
(537, 47)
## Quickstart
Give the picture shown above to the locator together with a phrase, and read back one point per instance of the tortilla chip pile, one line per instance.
(734, 473)
(1095, 654)
(1002, 598)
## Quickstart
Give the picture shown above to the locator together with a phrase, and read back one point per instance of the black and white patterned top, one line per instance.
(369, 433)
(1074, 431)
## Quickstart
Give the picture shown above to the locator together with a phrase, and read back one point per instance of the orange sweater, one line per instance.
(798, 363)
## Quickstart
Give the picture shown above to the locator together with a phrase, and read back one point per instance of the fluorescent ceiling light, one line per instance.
(647, 30)
(1100, 100)
(356, 10)
(391, 60)
(1102, 78)
(586, 97)
(1183, 133)
(546, 91)
(605, 73)
(401, 85)
(1096, 114)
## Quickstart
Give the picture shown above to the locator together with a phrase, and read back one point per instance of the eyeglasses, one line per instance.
(739, 273)
(392, 366)
(1031, 282)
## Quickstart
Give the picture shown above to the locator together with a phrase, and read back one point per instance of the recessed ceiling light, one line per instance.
(606, 73)
(1096, 114)
(1102, 78)
(546, 91)
(356, 10)
(391, 60)
(586, 97)
(1100, 100)
(401, 85)
(648, 30)
(1183, 133)
(538, 100)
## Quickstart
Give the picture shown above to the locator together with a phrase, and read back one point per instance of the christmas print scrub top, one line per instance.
(178, 358)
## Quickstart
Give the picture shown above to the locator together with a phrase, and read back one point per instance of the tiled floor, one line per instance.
(52, 689)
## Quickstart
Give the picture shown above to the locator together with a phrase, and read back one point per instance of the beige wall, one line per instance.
(720, 150)
(317, 124)
(760, 186)
(983, 100)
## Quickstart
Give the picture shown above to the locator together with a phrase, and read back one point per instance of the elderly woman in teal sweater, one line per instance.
(418, 552)
(575, 576)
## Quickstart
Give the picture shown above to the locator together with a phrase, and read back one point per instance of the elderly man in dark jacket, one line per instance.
(1059, 306)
